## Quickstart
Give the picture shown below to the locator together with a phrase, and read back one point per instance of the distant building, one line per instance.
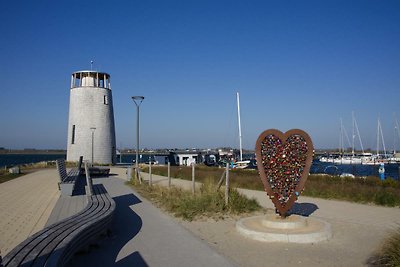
(91, 130)
(226, 154)
(185, 158)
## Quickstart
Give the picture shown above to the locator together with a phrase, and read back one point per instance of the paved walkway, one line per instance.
(383, 217)
(141, 235)
(358, 231)
(25, 206)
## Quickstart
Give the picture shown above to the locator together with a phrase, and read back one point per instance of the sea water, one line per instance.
(10, 160)
(391, 170)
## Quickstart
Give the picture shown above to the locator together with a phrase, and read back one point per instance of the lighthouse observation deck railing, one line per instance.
(90, 79)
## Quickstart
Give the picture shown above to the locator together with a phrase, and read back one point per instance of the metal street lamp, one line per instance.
(137, 100)
(93, 129)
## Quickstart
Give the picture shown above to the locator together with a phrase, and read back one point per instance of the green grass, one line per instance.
(206, 202)
(30, 167)
(389, 254)
(360, 190)
(5, 176)
(239, 178)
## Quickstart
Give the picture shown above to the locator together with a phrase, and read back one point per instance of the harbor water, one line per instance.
(391, 170)
(9, 160)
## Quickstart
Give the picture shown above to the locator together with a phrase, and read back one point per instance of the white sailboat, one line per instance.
(378, 158)
(337, 157)
(396, 136)
(349, 158)
(240, 164)
(363, 158)
(353, 158)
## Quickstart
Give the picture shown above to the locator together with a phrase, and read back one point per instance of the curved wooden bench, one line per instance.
(57, 243)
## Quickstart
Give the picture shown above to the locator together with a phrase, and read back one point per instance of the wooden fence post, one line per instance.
(150, 174)
(193, 179)
(221, 179)
(138, 175)
(169, 174)
(227, 185)
(129, 172)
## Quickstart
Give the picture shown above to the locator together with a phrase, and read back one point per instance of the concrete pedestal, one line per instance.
(292, 229)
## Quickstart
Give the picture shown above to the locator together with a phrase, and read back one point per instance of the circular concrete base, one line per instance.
(292, 229)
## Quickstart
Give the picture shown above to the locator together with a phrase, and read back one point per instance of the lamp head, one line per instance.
(139, 99)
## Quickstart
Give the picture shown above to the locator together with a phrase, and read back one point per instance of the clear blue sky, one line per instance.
(296, 64)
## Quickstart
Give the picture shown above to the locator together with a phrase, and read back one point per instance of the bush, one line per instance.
(385, 198)
(206, 202)
(5, 176)
(390, 182)
(362, 190)
(389, 254)
(372, 181)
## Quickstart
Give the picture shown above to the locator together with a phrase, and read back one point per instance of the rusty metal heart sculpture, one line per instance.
(283, 162)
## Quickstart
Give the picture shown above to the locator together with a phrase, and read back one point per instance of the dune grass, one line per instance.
(206, 202)
(5, 176)
(31, 167)
(361, 190)
(389, 253)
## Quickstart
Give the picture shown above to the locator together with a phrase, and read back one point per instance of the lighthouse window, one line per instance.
(105, 100)
(73, 134)
(76, 80)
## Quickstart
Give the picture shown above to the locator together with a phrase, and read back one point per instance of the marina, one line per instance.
(200, 133)
(317, 167)
(382, 156)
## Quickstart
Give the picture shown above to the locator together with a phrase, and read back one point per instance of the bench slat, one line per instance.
(55, 244)
(42, 238)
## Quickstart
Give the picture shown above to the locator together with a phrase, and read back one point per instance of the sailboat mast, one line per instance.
(358, 133)
(377, 138)
(240, 127)
(354, 134)
(397, 131)
(341, 139)
(383, 140)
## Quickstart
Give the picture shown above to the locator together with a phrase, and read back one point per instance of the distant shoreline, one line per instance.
(32, 152)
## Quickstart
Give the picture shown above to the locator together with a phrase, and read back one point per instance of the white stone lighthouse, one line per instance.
(91, 130)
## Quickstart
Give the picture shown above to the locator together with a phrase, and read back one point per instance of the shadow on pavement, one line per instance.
(125, 226)
(303, 209)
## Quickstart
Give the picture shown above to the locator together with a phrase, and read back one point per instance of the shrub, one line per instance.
(5, 176)
(363, 190)
(207, 201)
(372, 181)
(389, 254)
(390, 182)
(385, 198)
